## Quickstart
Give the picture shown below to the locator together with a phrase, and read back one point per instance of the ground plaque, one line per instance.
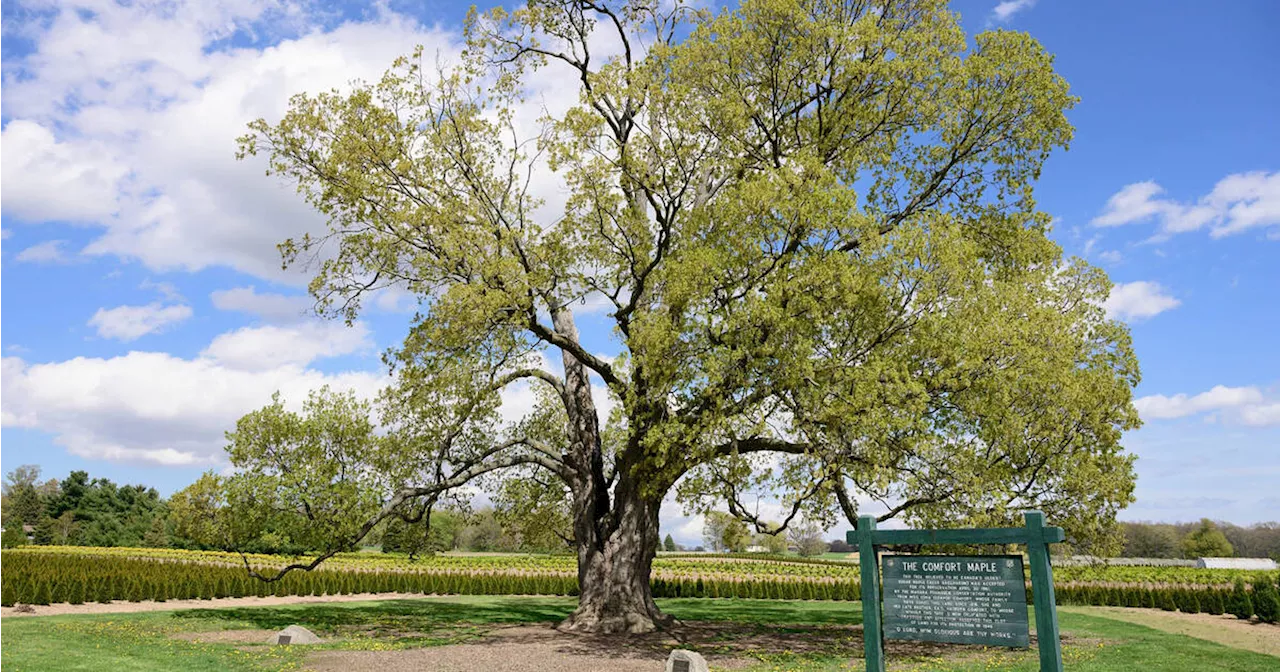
(959, 599)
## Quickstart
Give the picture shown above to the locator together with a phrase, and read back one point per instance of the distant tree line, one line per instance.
(84, 511)
(1206, 538)
(80, 511)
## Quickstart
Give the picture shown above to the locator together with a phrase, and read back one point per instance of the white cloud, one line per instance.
(1237, 203)
(126, 118)
(44, 179)
(268, 347)
(1242, 405)
(1005, 10)
(151, 100)
(165, 289)
(1160, 407)
(267, 306)
(1261, 415)
(1111, 256)
(1138, 300)
(128, 323)
(48, 252)
(149, 406)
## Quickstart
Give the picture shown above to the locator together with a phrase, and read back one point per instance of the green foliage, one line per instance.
(413, 538)
(1240, 603)
(13, 536)
(669, 544)
(822, 270)
(1211, 603)
(1266, 601)
(1206, 541)
(535, 513)
(724, 532)
(1148, 540)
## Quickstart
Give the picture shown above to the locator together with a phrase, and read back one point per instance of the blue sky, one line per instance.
(144, 309)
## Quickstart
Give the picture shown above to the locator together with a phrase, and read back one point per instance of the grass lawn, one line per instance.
(149, 641)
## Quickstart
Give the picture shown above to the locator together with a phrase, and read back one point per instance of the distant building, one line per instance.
(757, 549)
(1235, 563)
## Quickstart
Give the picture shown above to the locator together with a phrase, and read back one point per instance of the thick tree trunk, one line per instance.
(614, 574)
(616, 533)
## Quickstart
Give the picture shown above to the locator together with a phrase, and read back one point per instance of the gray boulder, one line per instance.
(295, 634)
(683, 660)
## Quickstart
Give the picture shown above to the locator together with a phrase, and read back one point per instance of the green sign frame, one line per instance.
(1036, 536)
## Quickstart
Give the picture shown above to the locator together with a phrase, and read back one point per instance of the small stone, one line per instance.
(683, 660)
(295, 634)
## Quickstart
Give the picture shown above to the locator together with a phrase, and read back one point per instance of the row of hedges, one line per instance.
(47, 579)
(1263, 600)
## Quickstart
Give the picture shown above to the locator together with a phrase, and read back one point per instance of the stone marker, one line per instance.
(682, 660)
(296, 634)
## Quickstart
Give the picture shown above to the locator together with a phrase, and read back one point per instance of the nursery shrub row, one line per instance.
(46, 579)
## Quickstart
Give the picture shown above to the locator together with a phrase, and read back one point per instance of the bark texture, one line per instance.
(617, 536)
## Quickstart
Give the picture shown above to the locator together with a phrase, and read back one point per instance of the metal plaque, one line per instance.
(959, 599)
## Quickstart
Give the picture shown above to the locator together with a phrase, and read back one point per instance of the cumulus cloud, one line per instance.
(125, 118)
(156, 408)
(1261, 415)
(48, 252)
(151, 407)
(1005, 10)
(44, 179)
(267, 347)
(128, 323)
(1160, 407)
(267, 306)
(1243, 405)
(1237, 203)
(1138, 300)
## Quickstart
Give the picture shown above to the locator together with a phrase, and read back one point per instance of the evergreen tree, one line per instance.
(1212, 602)
(1240, 606)
(669, 544)
(1266, 601)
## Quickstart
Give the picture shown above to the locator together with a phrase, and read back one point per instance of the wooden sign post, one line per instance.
(921, 577)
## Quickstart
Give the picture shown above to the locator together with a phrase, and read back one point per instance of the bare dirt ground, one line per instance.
(1227, 630)
(121, 607)
(530, 648)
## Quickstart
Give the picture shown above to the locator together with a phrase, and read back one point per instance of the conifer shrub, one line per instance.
(1266, 602)
(1240, 604)
(1211, 602)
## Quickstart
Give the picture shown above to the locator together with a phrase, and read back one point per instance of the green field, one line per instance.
(145, 642)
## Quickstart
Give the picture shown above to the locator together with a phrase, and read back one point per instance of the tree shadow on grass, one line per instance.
(399, 615)
(764, 612)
